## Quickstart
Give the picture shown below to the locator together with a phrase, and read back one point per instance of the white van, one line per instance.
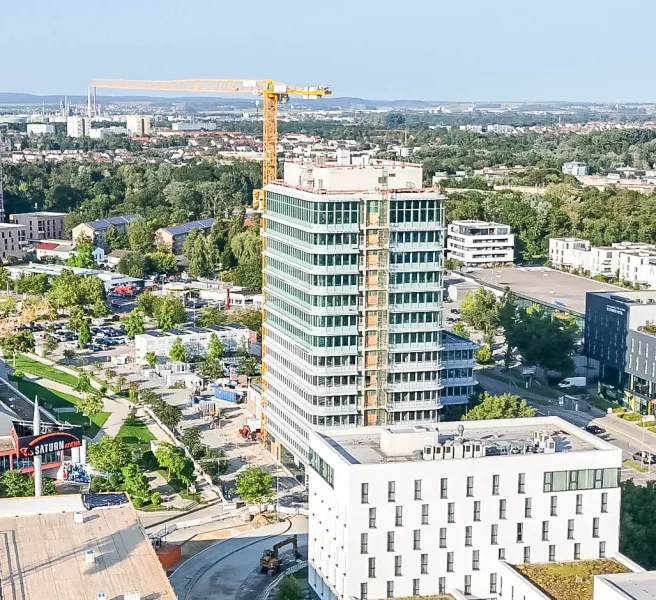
(570, 382)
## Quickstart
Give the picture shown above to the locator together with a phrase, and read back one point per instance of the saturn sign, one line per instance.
(54, 441)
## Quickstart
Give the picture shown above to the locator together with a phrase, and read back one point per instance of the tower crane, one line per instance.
(272, 92)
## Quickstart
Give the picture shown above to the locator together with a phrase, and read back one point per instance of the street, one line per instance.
(622, 434)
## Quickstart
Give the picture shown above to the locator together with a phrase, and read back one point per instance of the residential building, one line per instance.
(96, 230)
(194, 126)
(41, 225)
(58, 251)
(138, 125)
(101, 133)
(13, 240)
(621, 335)
(575, 169)
(352, 332)
(632, 262)
(173, 237)
(115, 256)
(194, 339)
(78, 127)
(479, 243)
(40, 128)
(400, 511)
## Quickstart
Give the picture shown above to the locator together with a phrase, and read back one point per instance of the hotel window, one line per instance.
(604, 500)
(545, 531)
(417, 489)
(416, 540)
(441, 585)
(442, 537)
(398, 562)
(493, 583)
(521, 483)
(415, 587)
(424, 564)
(391, 491)
(398, 520)
(372, 568)
(495, 485)
(364, 494)
(494, 534)
(579, 504)
(552, 553)
(520, 532)
(554, 506)
(577, 551)
(502, 509)
(364, 543)
(390, 541)
(372, 518)
(468, 536)
(470, 486)
(451, 512)
(602, 549)
(527, 554)
(501, 554)
(390, 589)
(475, 560)
(477, 510)
(595, 527)
(363, 591)
(443, 487)
(528, 504)
(467, 589)
(424, 514)
(449, 562)
(570, 529)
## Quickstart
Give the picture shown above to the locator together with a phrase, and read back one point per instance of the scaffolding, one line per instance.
(376, 306)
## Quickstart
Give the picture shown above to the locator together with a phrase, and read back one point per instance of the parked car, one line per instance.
(94, 347)
(594, 429)
(644, 457)
(71, 345)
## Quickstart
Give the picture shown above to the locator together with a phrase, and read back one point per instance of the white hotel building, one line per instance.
(426, 510)
(479, 243)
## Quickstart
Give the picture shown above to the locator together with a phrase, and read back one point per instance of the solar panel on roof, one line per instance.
(187, 227)
(155, 333)
(175, 331)
(196, 329)
(215, 327)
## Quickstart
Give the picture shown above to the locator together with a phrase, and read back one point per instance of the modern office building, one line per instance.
(621, 335)
(96, 230)
(479, 243)
(576, 169)
(353, 259)
(407, 511)
(173, 237)
(41, 225)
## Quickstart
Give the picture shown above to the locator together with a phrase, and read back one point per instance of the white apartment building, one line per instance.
(13, 240)
(576, 169)
(633, 262)
(41, 225)
(195, 339)
(194, 126)
(138, 125)
(477, 243)
(407, 511)
(40, 128)
(78, 126)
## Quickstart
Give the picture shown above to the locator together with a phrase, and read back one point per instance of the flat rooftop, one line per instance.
(44, 556)
(378, 445)
(545, 286)
(571, 580)
(638, 586)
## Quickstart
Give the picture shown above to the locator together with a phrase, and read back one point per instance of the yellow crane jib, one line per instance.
(272, 92)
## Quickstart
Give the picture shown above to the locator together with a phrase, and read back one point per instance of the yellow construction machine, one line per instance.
(270, 562)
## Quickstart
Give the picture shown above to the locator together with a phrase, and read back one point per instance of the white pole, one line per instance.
(38, 460)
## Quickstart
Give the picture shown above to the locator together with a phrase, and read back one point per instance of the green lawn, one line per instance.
(56, 399)
(34, 367)
(137, 437)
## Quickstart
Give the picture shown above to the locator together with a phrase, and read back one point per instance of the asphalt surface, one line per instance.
(229, 569)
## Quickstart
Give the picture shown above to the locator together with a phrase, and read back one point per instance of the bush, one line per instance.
(137, 502)
(631, 416)
(115, 481)
(98, 484)
(156, 498)
(103, 389)
(18, 374)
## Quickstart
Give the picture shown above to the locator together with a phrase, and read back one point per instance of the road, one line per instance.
(229, 569)
(620, 433)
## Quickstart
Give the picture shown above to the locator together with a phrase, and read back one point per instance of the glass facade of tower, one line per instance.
(353, 312)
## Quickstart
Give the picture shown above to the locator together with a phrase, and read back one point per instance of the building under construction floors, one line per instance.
(353, 291)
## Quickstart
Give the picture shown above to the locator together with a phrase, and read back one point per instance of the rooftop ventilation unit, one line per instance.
(101, 596)
(89, 556)
(132, 596)
(549, 445)
(78, 518)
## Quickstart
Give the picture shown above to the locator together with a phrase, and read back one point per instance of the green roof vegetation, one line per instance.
(570, 580)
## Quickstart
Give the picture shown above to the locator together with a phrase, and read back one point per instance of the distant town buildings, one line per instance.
(41, 225)
(40, 128)
(575, 169)
(96, 230)
(173, 237)
(78, 127)
(193, 126)
(138, 125)
(479, 243)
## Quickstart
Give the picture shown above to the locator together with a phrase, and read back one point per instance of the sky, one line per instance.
(588, 50)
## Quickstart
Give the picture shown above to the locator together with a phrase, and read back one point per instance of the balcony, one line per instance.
(429, 365)
(399, 386)
(415, 405)
(417, 226)
(336, 410)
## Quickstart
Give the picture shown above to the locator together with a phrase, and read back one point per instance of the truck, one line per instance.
(570, 382)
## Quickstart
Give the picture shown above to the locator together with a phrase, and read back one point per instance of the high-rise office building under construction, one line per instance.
(353, 287)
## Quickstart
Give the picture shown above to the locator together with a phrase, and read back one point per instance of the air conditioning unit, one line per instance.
(479, 449)
(549, 445)
(468, 449)
(458, 450)
(428, 453)
(447, 451)
(438, 452)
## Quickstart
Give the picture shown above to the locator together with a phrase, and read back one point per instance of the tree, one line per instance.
(141, 235)
(109, 455)
(178, 352)
(250, 318)
(89, 405)
(151, 358)
(100, 309)
(134, 323)
(507, 406)
(212, 369)
(133, 390)
(76, 317)
(50, 344)
(459, 328)
(249, 366)
(191, 438)
(83, 256)
(480, 309)
(254, 485)
(120, 382)
(36, 284)
(169, 312)
(21, 341)
(507, 318)
(483, 355)
(132, 264)
(15, 484)
(69, 353)
(210, 315)
(83, 384)
(542, 340)
(116, 240)
(289, 589)
(136, 483)
(637, 529)
(215, 350)
(84, 337)
(173, 460)
(161, 262)
(146, 303)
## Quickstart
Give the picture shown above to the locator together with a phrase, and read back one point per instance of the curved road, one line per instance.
(231, 566)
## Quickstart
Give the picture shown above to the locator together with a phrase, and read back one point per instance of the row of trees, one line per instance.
(537, 337)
